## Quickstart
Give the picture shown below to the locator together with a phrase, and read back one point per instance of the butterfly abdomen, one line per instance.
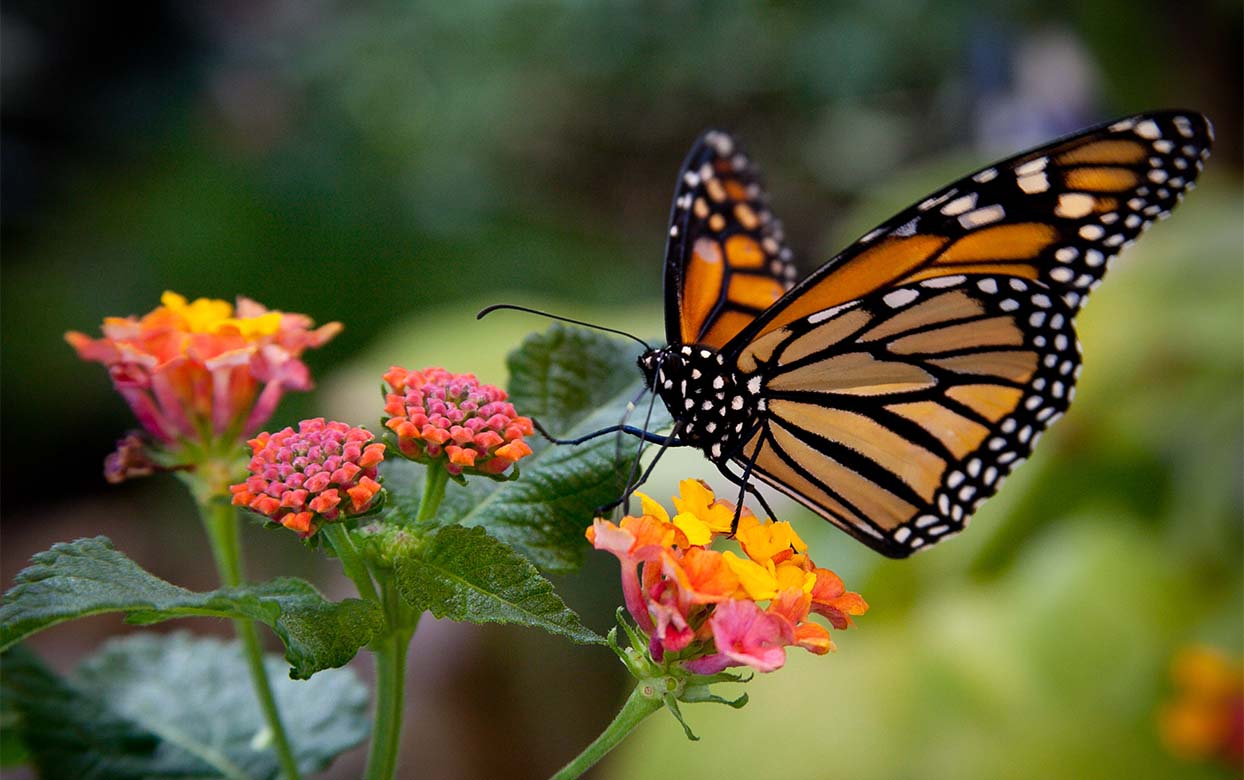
(714, 405)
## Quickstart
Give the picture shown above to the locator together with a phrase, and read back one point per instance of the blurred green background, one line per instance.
(397, 166)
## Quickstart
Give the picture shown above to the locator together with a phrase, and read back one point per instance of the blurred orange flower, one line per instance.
(204, 371)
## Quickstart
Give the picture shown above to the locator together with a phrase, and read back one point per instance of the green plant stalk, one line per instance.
(351, 560)
(433, 491)
(390, 654)
(642, 702)
(390, 651)
(221, 522)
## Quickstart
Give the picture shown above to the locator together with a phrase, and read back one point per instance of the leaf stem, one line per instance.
(221, 522)
(642, 702)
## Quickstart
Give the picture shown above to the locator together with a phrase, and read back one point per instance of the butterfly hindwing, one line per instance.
(894, 416)
(1057, 214)
(726, 260)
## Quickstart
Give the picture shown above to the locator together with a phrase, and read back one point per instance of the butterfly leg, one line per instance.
(671, 441)
(745, 487)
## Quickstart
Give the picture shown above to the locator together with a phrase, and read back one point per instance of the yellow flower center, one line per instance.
(211, 315)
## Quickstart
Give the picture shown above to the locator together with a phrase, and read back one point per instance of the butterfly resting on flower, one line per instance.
(894, 388)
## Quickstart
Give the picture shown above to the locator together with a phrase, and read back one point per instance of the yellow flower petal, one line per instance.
(653, 508)
(695, 529)
(758, 581)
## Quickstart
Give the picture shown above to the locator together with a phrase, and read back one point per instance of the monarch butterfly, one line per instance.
(894, 388)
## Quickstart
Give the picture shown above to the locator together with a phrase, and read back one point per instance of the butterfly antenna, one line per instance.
(484, 312)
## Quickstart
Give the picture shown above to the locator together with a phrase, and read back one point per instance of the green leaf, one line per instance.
(90, 577)
(561, 375)
(576, 382)
(151, 707)
(464, 574)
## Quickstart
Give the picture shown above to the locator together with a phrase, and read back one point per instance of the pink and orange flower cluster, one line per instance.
(1205, 721)
(453, 418)
(323, 472)
(709, 610)
(204, 370)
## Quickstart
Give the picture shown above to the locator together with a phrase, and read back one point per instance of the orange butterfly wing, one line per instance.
(725, 261)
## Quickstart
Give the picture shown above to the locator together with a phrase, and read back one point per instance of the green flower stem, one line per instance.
(433, 491)
(390, 655)
(351, 561)
(642, 702)
(221, 522)
(390, 651)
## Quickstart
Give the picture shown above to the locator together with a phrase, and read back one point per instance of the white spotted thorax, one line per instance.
(715, 405)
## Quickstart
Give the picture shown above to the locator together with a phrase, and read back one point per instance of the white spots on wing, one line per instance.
(907, 229)
(1148, 129)
(982, 216)
(1074, 205)
(1157, 176)
(900, 297)
(989, 174)
(936, 200)
(1092, 232)
(960, 205)
(1034, 184)
(1032, 166)
(944, 281)
(821, 316)
(988, 286)
(1062, 274)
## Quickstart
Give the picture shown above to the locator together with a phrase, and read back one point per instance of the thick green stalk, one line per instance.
(390, 657)
(433, 491)
(221, 522)
(639, 705)
(390, 652)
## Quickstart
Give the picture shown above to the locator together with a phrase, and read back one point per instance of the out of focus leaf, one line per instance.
(153, 707)
(90, 576)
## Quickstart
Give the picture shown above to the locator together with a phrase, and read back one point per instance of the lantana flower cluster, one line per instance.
(454, 419)
(321, 473)
(1205, 720)
(707, 610)
(204, 370)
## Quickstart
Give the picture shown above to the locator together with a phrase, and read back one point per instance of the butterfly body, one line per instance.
(894, 388)
(716, 406)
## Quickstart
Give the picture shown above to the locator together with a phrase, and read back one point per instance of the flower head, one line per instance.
(321, 473)
(204, 371)
(704, 611)
(438, 416)
(1206, 718)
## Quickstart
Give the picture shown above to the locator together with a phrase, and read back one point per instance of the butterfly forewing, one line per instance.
(894, 416)
(1057, 214)
(726, 261)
